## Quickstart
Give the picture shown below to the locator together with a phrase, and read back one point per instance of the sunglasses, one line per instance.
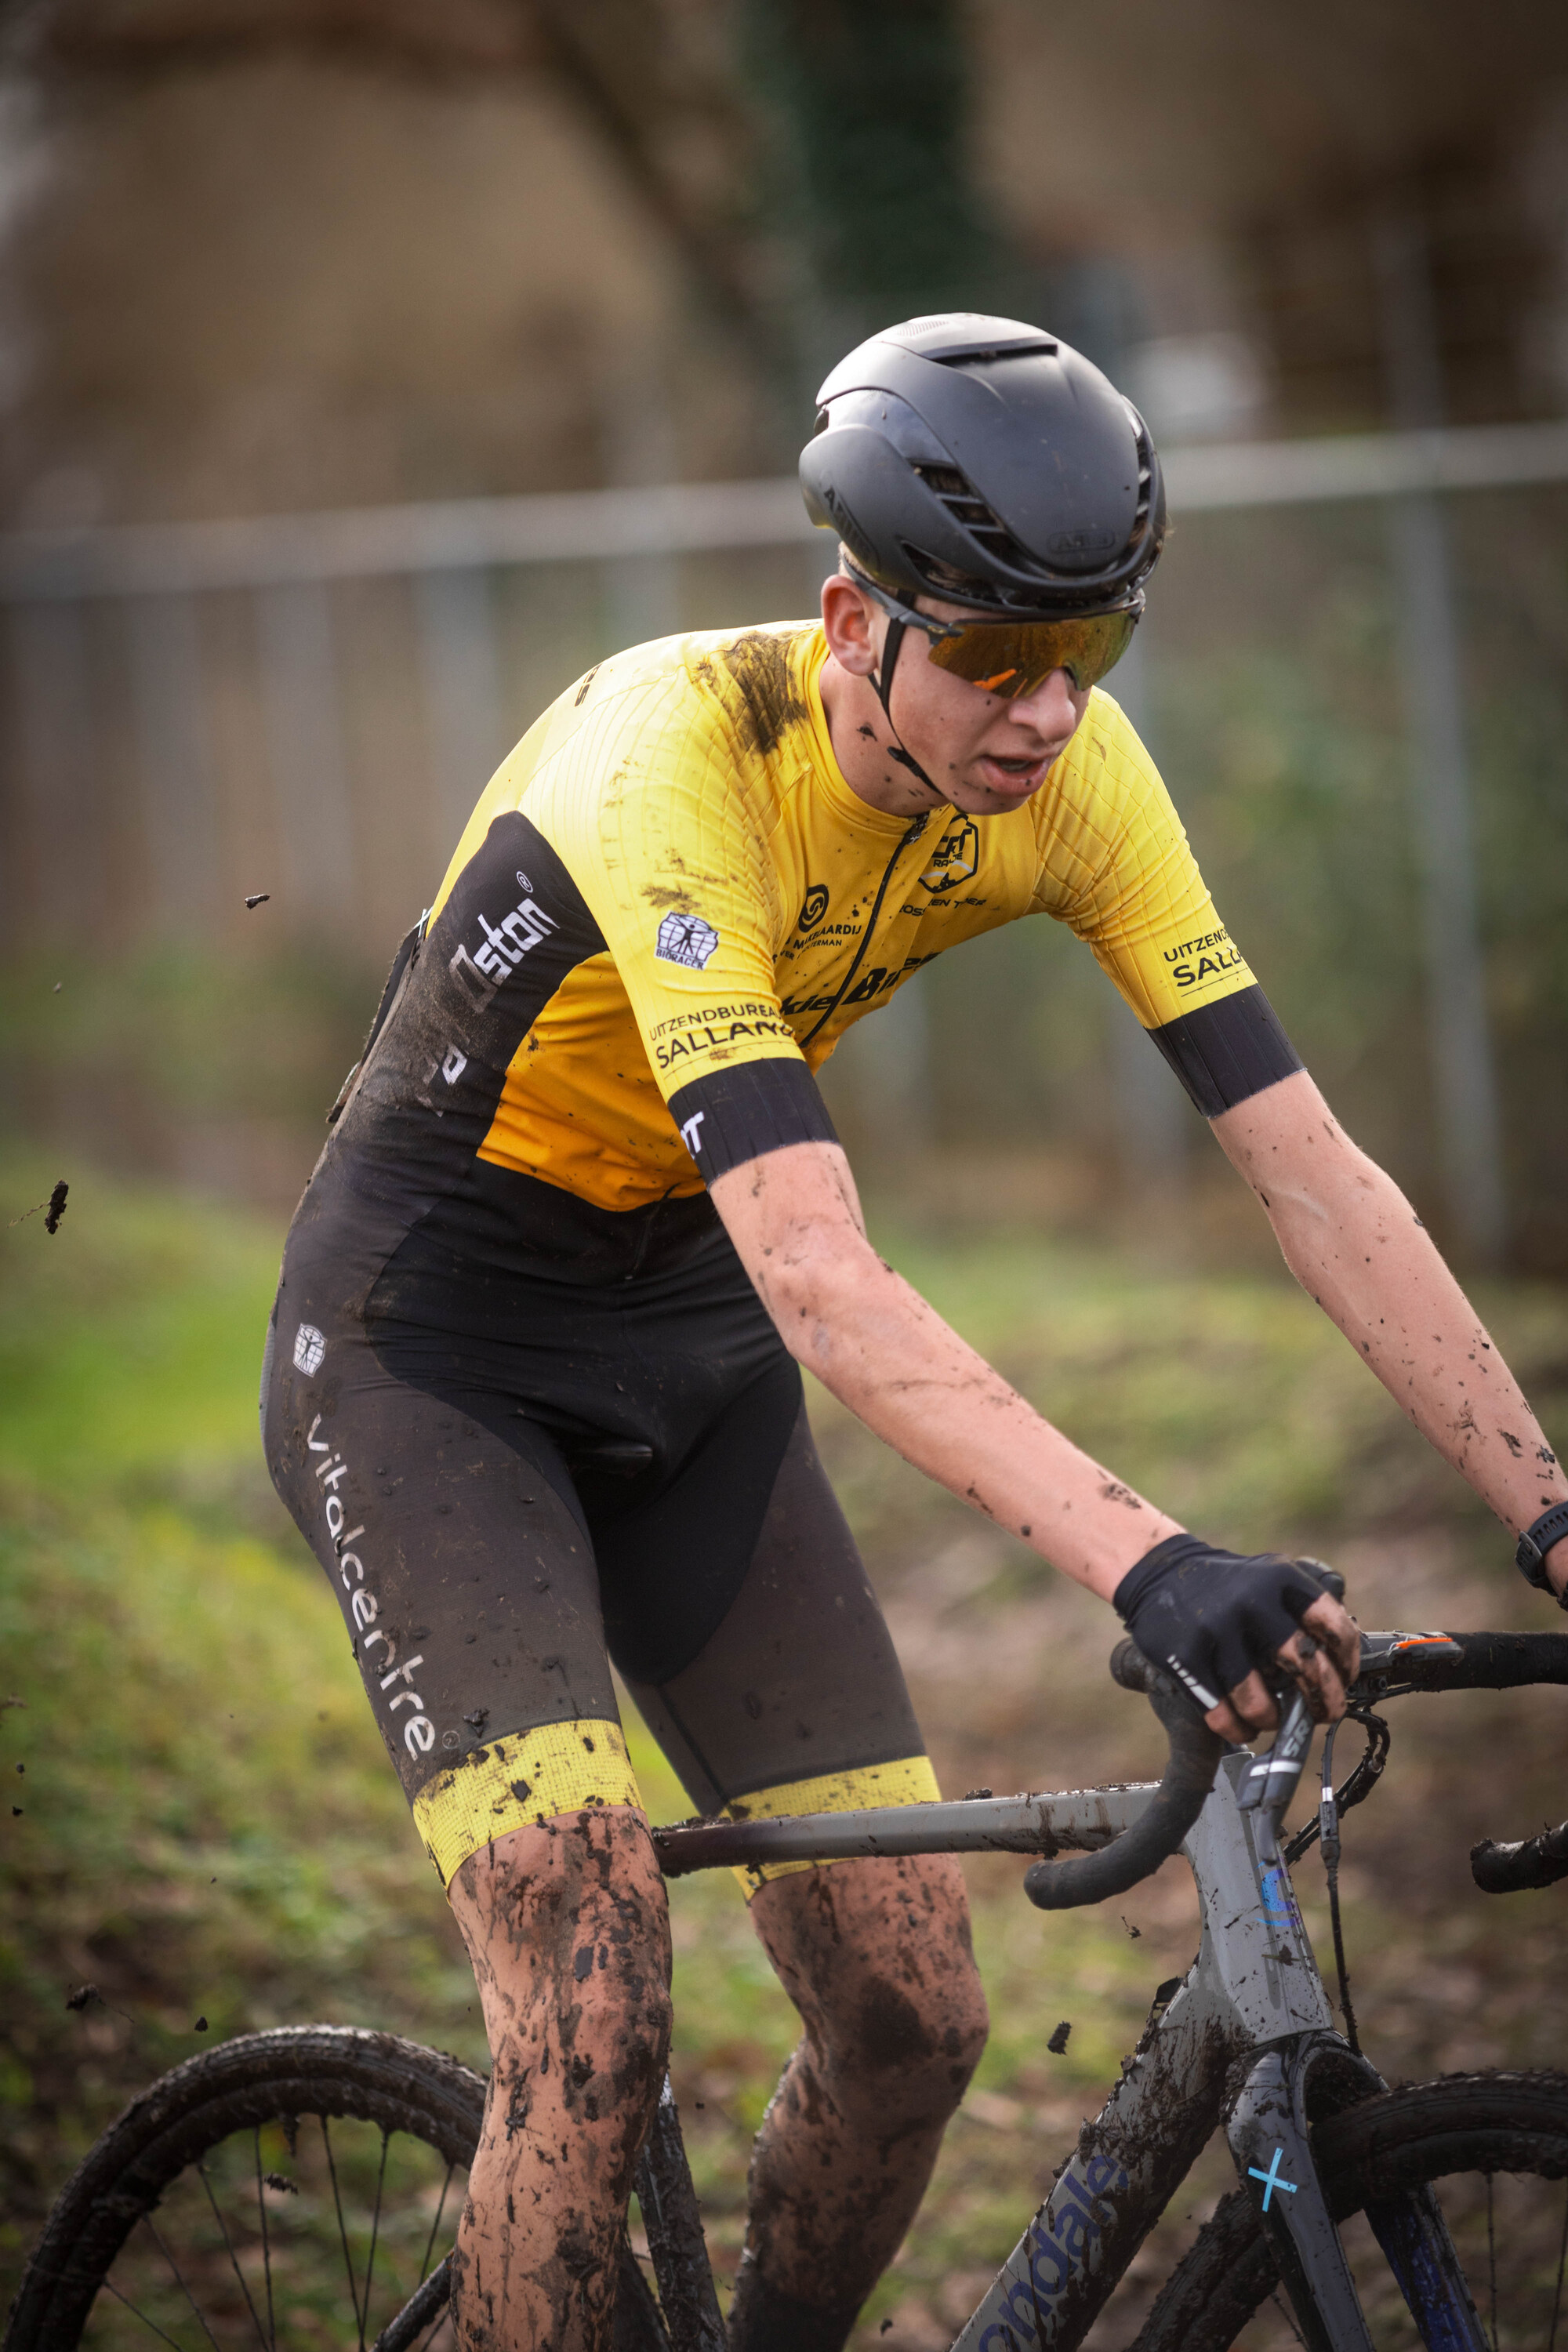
(1014, 658)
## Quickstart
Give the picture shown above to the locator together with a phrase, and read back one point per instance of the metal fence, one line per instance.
(308, 704)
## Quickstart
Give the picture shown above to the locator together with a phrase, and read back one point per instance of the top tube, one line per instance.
(1079, 1820)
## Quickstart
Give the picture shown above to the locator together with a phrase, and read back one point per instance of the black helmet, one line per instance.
(981, 461)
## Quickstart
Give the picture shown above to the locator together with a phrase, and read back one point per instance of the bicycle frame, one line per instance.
(1247, 2037)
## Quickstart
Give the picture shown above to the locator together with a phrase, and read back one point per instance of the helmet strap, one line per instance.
(883, 679)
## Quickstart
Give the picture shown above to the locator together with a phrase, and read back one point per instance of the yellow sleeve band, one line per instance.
(909, 1780)
(518, 1782)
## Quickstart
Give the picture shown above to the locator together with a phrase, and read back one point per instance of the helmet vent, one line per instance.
(1145, 476)
(945, 480)
(970, 512)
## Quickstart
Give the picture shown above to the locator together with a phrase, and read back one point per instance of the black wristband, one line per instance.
(1537, 1540)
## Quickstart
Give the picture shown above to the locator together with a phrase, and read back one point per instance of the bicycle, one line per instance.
(1244, 2040)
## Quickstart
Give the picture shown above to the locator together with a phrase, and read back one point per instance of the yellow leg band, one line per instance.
(517, 1782)
(910, 1781)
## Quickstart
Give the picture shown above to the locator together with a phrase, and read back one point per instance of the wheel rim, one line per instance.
(307, 2233)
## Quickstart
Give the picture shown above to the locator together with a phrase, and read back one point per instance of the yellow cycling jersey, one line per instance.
(708, 907)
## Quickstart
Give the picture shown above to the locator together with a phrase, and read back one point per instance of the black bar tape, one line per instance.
(728, 1117)
(1490, 1662)
(1227, 1052)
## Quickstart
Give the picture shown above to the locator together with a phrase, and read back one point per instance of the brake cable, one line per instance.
(1362, 1782)
(1325, 1828)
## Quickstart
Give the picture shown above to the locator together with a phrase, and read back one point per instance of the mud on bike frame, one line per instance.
(1246, 2037)
(1244, 2040)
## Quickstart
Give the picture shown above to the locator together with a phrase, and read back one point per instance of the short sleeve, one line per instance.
(650, 807)
(1117, 867)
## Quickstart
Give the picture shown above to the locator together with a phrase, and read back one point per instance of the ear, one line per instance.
(853, 625)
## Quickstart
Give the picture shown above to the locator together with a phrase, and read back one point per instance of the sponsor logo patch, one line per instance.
(813, 908)
(310, 1350)
(686, 939)
(955, 859)
(481, 972)
(1197, 960)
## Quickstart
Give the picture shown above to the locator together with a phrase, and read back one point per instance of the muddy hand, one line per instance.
(1215, 1620)
(1322, 1659)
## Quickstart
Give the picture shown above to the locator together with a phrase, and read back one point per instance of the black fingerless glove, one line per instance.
(1208, 1616)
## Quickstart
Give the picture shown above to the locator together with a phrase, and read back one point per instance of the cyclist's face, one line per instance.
(984, 755)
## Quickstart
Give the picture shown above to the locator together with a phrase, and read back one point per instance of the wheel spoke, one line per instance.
(374, 2232)
(1289, 2317)
(436, 2225)
(1562, 2257)
(234, 2259)
(210, 2271)
(342, 2233)
(1491, 2255)
(150, 2324)
(266, 2243)
(179, 2281)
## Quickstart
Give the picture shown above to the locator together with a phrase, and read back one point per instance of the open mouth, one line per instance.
(1027, 769)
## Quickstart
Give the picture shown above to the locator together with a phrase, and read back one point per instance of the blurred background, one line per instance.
(367, 371)
(305, 305)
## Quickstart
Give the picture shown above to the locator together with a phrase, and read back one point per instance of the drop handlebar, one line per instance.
(1392, 1665)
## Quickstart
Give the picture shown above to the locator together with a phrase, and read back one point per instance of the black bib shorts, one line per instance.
(524, 1444)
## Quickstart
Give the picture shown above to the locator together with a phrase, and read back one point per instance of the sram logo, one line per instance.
(502, 948)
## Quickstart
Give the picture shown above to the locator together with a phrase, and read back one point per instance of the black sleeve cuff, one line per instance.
(1227, 1052)
(731, 1115)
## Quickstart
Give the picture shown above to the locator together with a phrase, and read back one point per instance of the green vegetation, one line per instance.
(205, 1827)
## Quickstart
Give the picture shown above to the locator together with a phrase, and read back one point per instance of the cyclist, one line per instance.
(532, 1389)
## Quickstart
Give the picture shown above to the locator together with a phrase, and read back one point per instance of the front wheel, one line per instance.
(1496, 2144)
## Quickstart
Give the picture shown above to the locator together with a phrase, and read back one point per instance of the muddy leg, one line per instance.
(877, 1957)
(568, 1933)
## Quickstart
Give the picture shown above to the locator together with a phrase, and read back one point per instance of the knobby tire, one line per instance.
(301, 2078)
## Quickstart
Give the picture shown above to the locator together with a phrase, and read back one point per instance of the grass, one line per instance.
(200, 1822)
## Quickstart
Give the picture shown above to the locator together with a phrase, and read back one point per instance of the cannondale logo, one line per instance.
(813, 906)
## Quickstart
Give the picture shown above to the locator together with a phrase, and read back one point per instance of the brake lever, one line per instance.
(1270, 1784)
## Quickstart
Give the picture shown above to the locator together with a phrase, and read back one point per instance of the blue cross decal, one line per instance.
(1271, 2179)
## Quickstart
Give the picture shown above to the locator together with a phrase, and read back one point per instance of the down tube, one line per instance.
(1128, 2165)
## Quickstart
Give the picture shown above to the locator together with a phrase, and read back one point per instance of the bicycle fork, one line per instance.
(1268, 2126)
(1269, 2143)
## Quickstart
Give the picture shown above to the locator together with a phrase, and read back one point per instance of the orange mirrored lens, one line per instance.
(1011, 658)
